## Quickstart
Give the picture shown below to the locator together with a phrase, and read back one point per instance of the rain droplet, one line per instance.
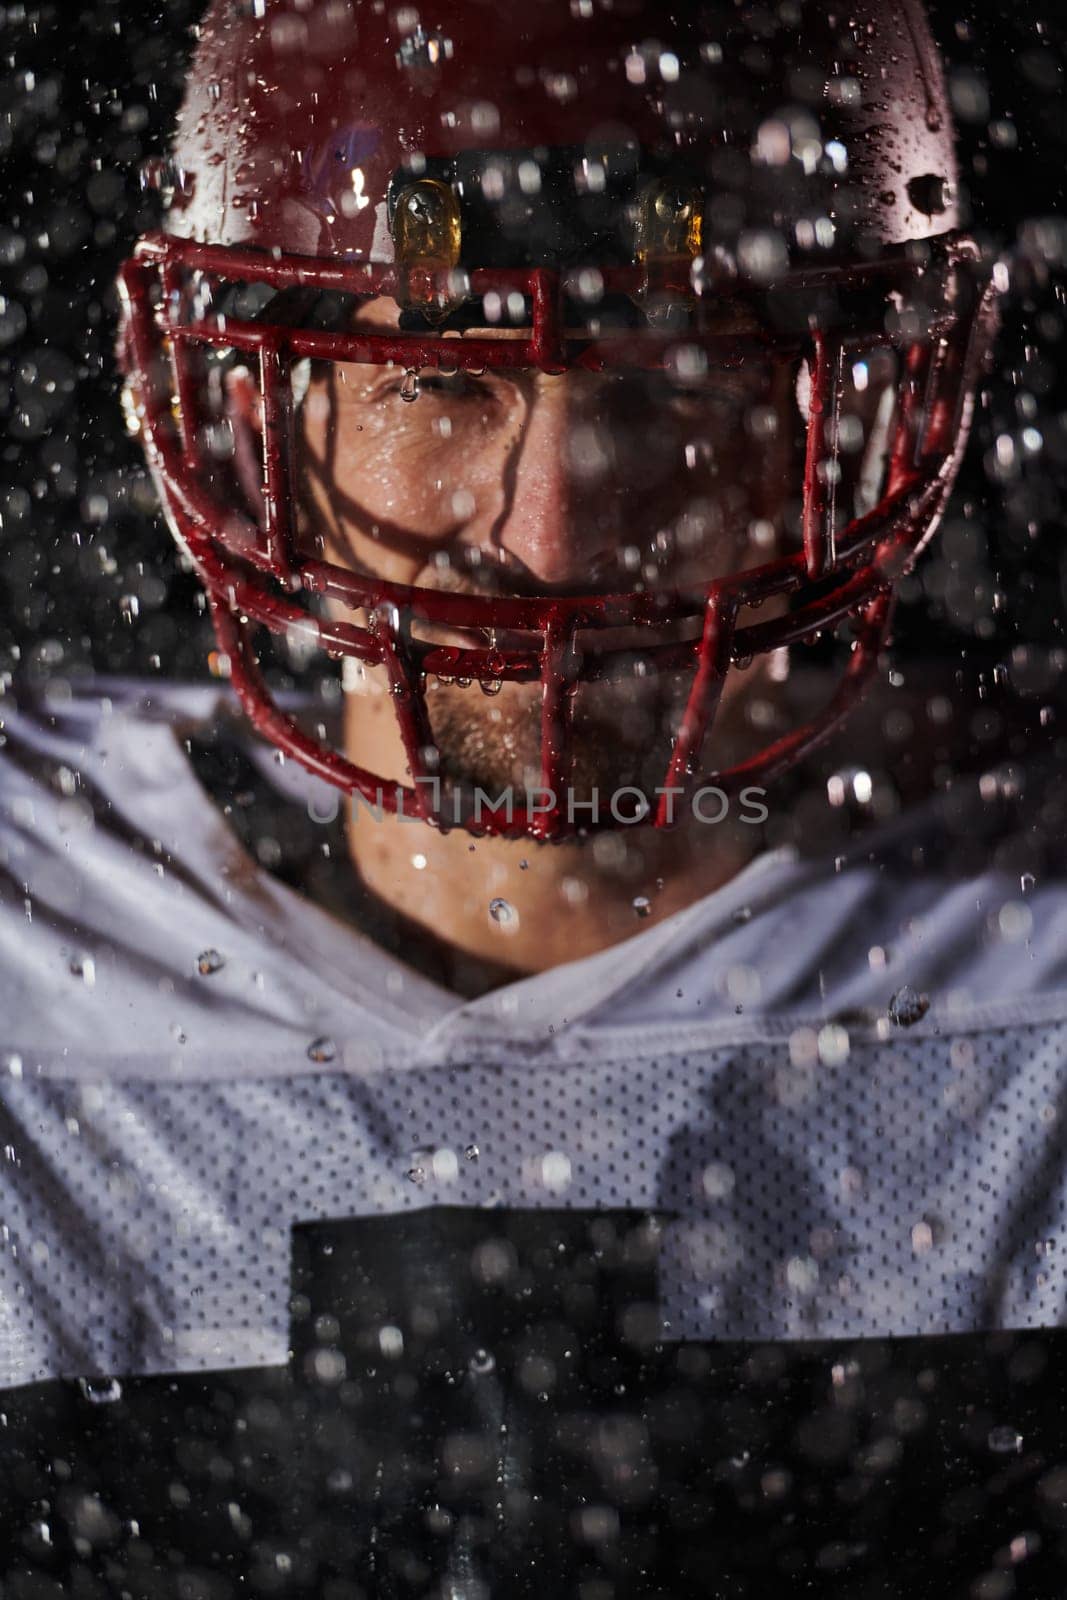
(13, 1065)
(907, 1007)
(100, 1391)
(502, 912)
(642, 906)
(482, 1362)
(84, 967)
(416, 1175)
(409, 389)
(322, 1049)
(471, 1153)
(1005, 1440)
(209, 961)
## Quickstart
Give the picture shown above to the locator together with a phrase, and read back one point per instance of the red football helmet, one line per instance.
(604, 177)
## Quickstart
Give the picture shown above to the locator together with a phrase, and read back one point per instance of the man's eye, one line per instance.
(732, 390)
(459, 384)
(719, 392)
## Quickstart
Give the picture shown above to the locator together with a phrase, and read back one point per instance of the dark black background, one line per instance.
(88, 576)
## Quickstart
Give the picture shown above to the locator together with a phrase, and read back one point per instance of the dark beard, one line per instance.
(622, 735)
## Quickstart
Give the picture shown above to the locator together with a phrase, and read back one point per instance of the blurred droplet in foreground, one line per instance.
(907, 1007)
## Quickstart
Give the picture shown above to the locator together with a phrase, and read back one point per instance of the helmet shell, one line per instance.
(299, 113)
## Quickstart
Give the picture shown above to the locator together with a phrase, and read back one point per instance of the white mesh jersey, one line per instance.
(820, 1169)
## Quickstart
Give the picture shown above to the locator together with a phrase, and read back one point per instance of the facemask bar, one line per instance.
(852, 567)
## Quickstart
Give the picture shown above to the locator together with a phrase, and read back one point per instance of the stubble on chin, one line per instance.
(621, 735)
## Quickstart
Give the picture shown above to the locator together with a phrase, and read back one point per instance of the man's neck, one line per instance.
(506, 908)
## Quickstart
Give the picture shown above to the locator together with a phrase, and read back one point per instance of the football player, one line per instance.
(550, 404)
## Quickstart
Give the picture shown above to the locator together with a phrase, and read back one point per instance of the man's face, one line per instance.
(509, 483)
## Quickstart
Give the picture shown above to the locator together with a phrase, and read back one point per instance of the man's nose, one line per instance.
(557, 519)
